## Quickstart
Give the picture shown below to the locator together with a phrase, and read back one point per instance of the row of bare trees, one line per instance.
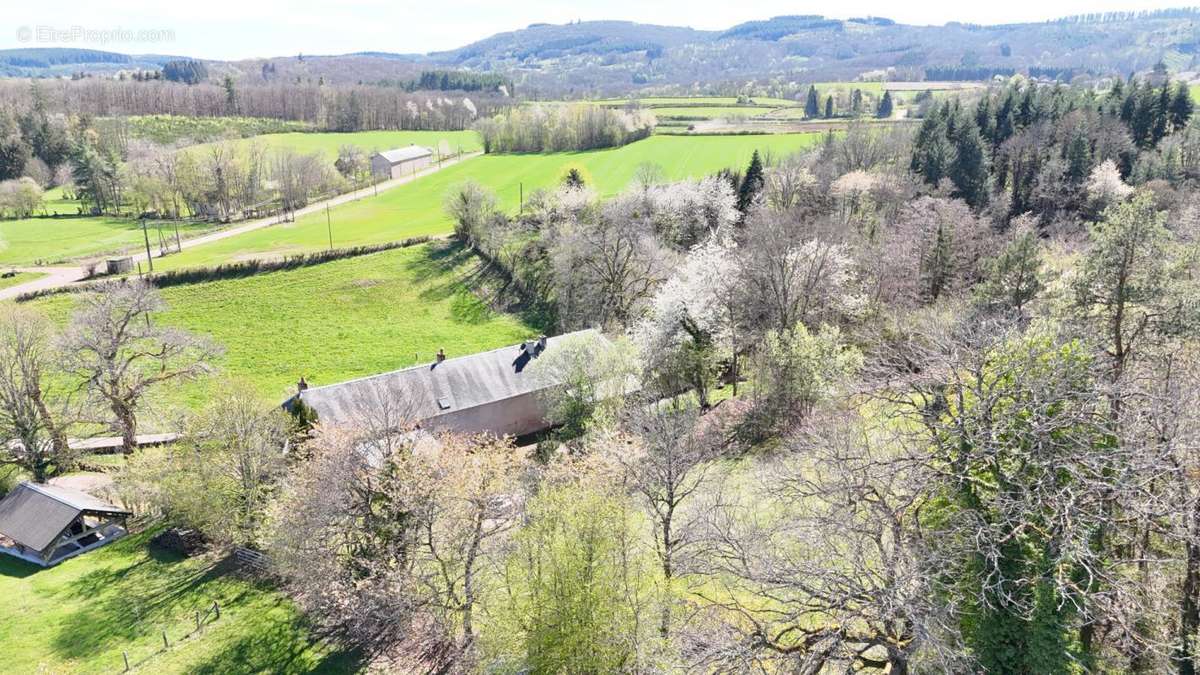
(341, 108)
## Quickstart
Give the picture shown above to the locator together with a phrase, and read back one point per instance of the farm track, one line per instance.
(59, 276)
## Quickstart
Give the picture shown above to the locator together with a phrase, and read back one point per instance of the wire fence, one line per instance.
(132, 659)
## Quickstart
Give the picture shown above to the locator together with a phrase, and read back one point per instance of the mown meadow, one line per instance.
(81, 616)
(334, 321)
(56, 240)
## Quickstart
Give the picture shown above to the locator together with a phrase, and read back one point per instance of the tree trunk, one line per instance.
(127, 422)
(1189, 609)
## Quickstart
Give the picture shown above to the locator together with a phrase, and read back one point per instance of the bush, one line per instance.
(20, 198)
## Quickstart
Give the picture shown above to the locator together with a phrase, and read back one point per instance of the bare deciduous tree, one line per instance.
(666, 469)
(386, 552)
(119, 355)
(34, 410)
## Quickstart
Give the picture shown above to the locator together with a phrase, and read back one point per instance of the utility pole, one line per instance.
(146, 236)
(329, 226)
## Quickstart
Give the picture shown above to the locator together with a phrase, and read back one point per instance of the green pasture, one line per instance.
(416, 208)
(334, 321)
(669, 101)
(20, 278)
(54, 240)
(80, 616)
(55, 203)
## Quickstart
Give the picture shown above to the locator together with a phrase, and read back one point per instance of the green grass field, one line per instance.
(334, 321)
(80, 616)
(55, 203)
(327, 143)
(21, 278)
(667, 101)
(55, 240)
(416, 208)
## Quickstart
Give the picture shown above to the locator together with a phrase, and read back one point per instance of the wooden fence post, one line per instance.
(126, 657)
(166, 645)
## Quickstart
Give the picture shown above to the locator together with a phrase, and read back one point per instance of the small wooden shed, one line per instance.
(46, 524)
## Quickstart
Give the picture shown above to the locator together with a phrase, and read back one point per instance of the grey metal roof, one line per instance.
(426, 391)
(404, 154)
(34, 515)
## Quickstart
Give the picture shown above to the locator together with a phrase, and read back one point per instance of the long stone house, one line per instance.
(486, 392)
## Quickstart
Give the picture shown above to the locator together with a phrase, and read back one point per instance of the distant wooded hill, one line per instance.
(612, 57)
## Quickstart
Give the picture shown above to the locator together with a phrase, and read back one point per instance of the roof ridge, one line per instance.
(427, 364)
(45, 493)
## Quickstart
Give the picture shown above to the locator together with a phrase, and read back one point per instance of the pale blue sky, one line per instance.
(230, 29)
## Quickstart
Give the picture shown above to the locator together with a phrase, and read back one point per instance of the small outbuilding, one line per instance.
(46, 524)
(118, 265)
(400, 162)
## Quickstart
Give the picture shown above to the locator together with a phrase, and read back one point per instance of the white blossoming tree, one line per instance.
(691, 324)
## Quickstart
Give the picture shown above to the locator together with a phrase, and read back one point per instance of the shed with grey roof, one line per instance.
(486, 392)
(400, 161)
(46, 524)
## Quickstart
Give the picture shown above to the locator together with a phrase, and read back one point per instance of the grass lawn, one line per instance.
(80, 616)
(327, 143)
(416, 208)
(54, 240)
(23, 277)
(334, 321)
(55, 203)
(654, 101)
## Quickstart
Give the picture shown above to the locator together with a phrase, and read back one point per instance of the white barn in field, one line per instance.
(400, 162)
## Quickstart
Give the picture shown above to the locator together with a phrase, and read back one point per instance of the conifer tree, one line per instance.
(984, 119)
(885, 106)
(752, 183)
(969, 171)
(812, 107)
(828, 107)
(1181, 106)
(1079, 159)
(1162, 113)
